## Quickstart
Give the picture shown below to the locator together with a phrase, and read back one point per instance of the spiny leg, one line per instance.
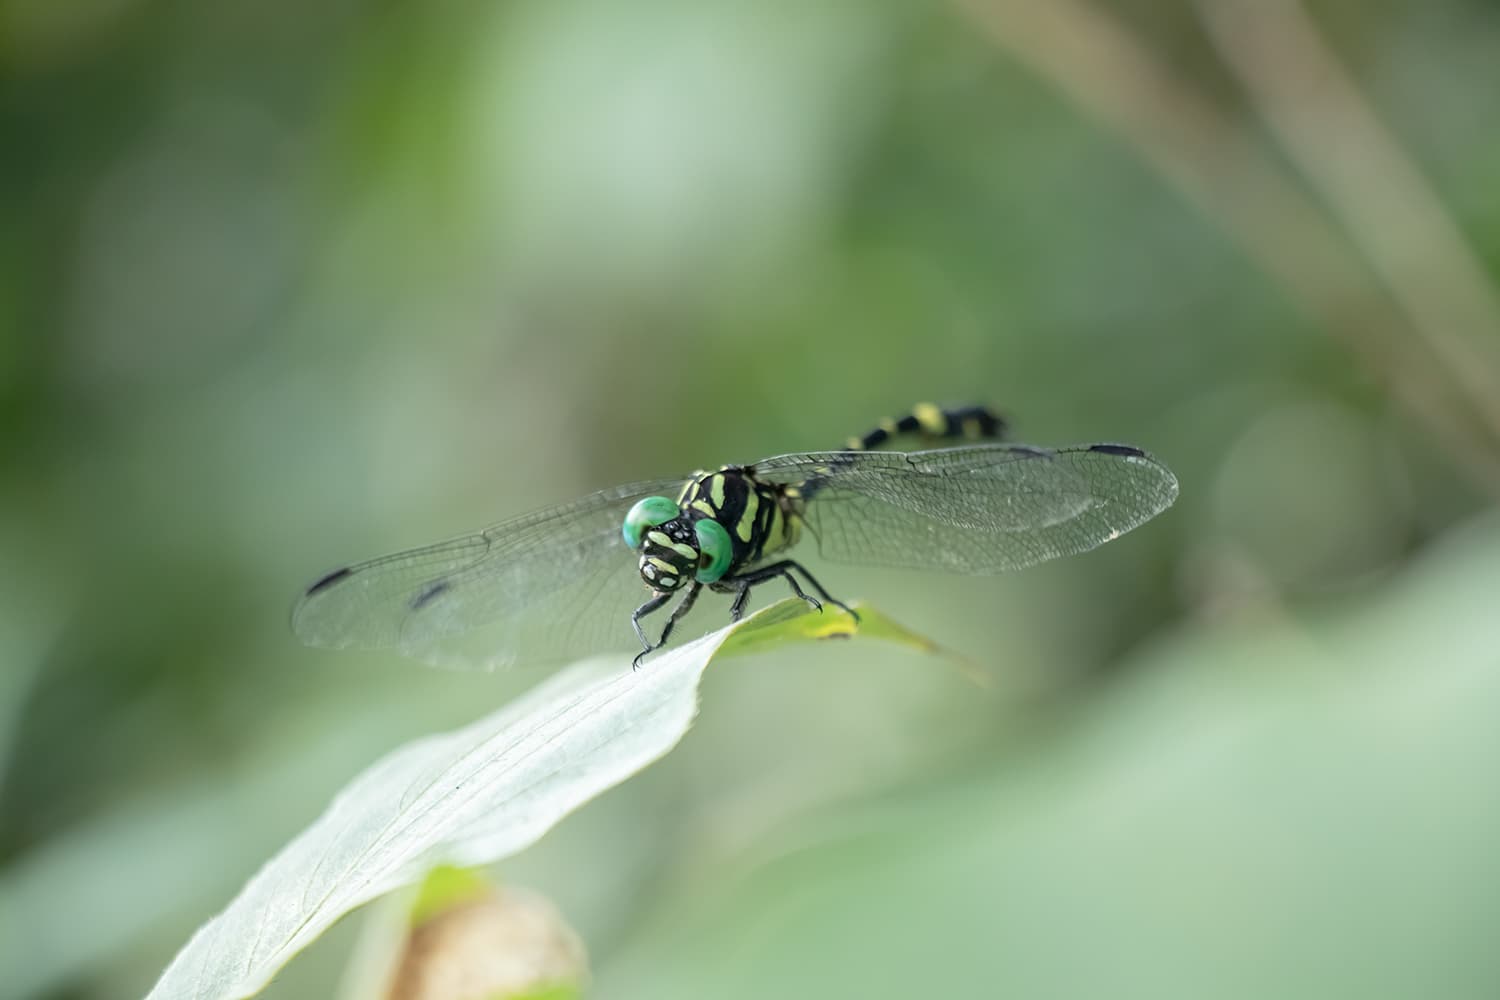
(645, 609)
(741, 595)
(784, 569)
(741, 586)
(683, 608)
(792, 564)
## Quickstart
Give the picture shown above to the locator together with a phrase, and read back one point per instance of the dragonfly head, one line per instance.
(675, 548)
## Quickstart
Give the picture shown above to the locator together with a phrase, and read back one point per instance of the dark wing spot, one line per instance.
(329, 580)
(1117, 449)
(430, 593)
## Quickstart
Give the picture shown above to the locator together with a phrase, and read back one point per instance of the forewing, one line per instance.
(553, 583)
(979, 509)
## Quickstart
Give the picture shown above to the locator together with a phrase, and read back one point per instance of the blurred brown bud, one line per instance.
(505, 943)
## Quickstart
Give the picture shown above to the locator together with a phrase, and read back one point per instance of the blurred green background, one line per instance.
(284, 285)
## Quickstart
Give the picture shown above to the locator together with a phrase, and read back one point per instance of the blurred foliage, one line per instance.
(284, 285)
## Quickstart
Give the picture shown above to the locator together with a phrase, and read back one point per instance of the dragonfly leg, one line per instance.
(792, 564)
(650, 606)
(741, 595)
(784, 569)
(635, 620)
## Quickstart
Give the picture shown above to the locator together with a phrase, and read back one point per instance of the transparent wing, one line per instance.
(552, 583)
(976, 509)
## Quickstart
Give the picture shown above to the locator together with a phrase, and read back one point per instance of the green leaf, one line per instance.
(790, 622)
(556, 991)
(472, 797)
(445, 887)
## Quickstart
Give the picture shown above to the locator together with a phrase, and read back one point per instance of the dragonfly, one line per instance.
(568, 578)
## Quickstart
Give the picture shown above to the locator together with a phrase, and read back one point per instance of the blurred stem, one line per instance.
(1369, 183)
(1096, 61)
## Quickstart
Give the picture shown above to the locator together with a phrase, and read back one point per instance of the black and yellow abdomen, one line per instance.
(975, 423)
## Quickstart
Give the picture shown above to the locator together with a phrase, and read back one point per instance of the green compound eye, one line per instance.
(714, 543)
(647, 513)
